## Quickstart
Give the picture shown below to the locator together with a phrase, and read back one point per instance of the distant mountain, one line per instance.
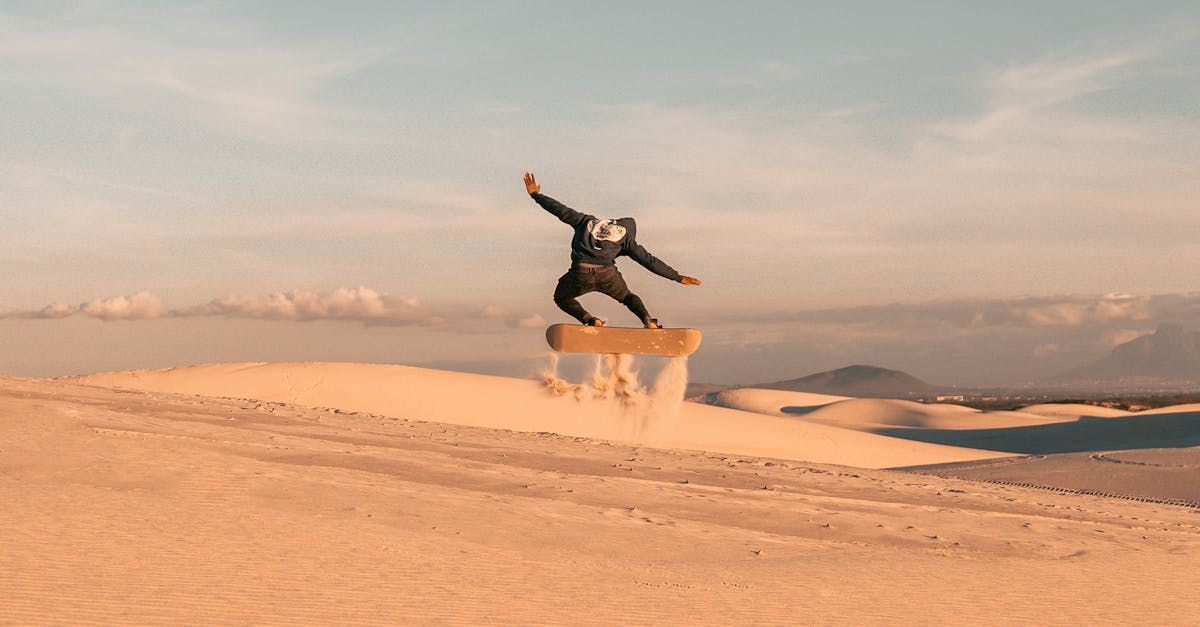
(863, 381)
(1170, 354)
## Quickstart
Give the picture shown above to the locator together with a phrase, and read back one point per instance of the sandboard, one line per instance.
(577, 338)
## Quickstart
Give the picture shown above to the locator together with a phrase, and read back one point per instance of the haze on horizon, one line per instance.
(973, 195)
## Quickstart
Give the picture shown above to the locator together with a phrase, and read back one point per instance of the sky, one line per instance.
(978, 195)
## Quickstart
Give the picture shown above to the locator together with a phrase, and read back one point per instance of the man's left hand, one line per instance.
(531, 185)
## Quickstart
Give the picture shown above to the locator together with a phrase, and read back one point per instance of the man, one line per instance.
(595, 247)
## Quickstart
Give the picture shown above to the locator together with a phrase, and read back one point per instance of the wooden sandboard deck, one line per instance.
(577, 338)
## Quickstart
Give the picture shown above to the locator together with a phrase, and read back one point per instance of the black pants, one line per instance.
(580, 280)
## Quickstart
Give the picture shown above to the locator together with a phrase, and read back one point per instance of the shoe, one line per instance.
(594, 322)
(651, 323)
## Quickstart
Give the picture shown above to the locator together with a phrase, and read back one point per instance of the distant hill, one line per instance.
(1170, 354)
(861, 381)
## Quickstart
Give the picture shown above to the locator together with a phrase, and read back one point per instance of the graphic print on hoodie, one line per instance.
(606, 231)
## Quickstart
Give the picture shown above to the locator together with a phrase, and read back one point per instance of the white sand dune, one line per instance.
(1187, 408)
(129, 507)
(770, 402)
(870, 413)
(1038, 429)
(660, 420)
(1073, 411)
(1066, 432)
(866, 414)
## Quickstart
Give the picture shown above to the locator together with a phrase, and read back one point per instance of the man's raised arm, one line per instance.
(559, 210)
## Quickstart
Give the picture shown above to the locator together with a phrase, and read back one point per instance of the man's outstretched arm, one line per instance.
(658, 266)
(559, 210)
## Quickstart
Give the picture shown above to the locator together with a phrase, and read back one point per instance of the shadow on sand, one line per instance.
(1177, 430)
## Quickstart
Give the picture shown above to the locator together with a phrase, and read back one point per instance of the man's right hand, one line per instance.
(531, 185)
(689, 280)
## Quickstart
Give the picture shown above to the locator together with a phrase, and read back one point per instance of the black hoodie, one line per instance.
(601, 241)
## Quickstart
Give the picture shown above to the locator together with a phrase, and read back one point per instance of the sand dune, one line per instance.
(658, 418)
(770, 402)
(1037, 429)
(1188, 408)
(1166, 428)
(154, 508)
(1074, 411)
(867, 414)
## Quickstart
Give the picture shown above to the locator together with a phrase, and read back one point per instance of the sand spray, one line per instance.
(647, 413)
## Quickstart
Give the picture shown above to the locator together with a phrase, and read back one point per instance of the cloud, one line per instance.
(1018, 91)
(243, 86)
(493, 311)
(1028, 312)
(960, 341)
(532, 321)
(355, 304)
(140, 306)
(360, 304)
(979, 341)
(52, 311)
(511, 319)
(1077, 312)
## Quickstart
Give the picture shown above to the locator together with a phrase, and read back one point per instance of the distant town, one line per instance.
(1128, 401)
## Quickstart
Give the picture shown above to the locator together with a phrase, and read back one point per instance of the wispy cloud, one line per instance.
(1107, 310)
(1019, 91)
(240, 85)
(52, 311)
(139, 306)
